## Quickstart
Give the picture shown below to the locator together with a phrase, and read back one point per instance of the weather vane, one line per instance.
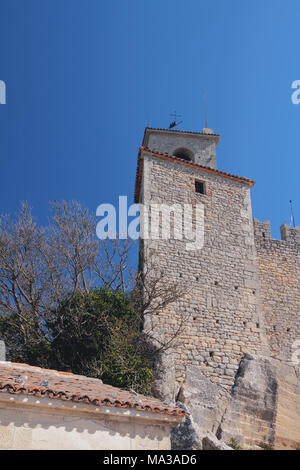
(175, 123)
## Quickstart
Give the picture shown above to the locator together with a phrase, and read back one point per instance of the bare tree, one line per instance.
(41, 267)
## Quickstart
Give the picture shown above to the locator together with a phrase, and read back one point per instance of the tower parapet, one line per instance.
(290, 234)
(196, 147)
(262, 229)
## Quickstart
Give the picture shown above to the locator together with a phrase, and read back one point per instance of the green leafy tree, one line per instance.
(71, 302)
(95, 334)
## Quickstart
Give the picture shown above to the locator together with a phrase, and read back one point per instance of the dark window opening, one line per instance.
(211, 354)
(199, 187)
(184, 154)
(264, 235)
(257, 325)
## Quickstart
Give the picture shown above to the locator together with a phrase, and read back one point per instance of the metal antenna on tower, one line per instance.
(175, 123)
(292, 221)
(205, 109)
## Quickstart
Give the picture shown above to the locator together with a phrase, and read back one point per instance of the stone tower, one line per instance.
(220, 311)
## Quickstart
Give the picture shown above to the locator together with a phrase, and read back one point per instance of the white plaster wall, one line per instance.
(27, 429)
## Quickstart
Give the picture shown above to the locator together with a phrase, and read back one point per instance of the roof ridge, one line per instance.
(21, 365)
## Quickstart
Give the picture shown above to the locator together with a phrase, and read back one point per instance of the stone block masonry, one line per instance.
(230, 366)
(203, 150)
(279, 276)
(2, 351)
(223, 318)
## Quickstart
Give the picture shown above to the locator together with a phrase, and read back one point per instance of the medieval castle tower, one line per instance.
(232, 363)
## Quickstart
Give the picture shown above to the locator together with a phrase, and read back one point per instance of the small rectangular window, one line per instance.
(199, 187)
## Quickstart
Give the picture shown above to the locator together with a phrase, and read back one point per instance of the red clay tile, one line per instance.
(75, 388)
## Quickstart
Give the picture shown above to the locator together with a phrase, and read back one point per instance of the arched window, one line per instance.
(183, 153)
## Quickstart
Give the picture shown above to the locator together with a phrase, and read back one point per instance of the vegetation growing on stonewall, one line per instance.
(74, 303)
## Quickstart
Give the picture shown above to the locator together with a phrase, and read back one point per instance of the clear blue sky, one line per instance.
(85, 77)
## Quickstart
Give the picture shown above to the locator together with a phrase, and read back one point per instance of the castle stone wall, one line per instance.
(221, 307)
(232, 364)
(279, 274)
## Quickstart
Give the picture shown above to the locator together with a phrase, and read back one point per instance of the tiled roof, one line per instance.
(172, 158)
(22, 378)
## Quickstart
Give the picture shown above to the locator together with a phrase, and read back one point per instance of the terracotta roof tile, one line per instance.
(18, 378)
(166, 156)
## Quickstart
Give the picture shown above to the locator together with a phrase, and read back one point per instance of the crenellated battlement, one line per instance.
(262, 229)
(262, 232)
(290, 234)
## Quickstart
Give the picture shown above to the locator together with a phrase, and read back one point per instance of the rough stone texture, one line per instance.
(202, 398)
(279, 274)
(251, 413)
(2, 351)
(221, 308)
(165, 386)
(287, 424)
(211, 442)
(242, 297)
(203, 149)
(186, 435)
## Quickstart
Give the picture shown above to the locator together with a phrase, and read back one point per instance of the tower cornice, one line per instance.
(157, 130)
